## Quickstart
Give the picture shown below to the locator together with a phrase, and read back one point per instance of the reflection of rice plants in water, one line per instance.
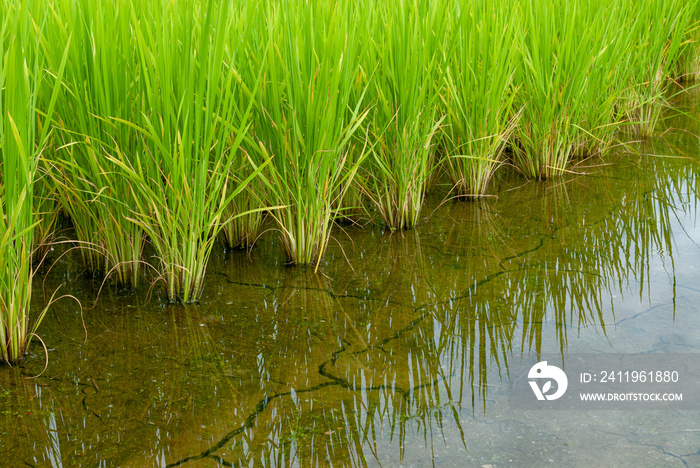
(556, 269)
(328, 385)
(449, 351)
(647, 219)
(474, 320)
(614, 246)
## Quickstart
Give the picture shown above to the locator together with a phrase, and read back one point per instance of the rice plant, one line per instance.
(688, 63)
(243, 216)
(478, 94)
(46, 212)
(304, 122)
(176, 120)
(100, 90)
(657, 34)
(406, 39)
(354, 206)
(607, 77)
(568, 84)
(192, 106)
(23, 134)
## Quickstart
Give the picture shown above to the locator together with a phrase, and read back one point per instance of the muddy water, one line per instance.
(398, 354)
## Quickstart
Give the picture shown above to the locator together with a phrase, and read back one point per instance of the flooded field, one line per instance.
(398, 352)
